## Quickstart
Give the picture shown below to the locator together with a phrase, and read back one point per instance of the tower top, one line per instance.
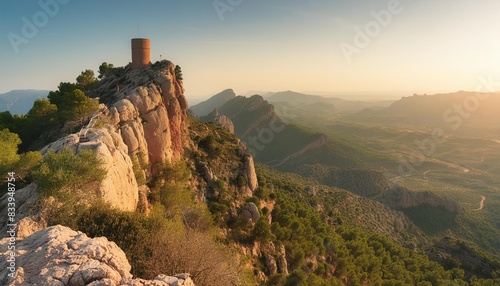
(141, 53)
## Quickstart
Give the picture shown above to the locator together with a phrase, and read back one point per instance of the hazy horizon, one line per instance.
(312, 47)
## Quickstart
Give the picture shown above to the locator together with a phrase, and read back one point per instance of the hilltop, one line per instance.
(178, 195)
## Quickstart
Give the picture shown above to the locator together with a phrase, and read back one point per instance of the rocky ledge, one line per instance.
(60, 256)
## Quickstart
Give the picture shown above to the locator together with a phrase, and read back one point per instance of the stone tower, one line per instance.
(141, 56)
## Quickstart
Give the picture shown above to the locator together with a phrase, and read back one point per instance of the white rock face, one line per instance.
(249, 173)
(119, 187)
(27, 222)
(150, 111)
(60, 256)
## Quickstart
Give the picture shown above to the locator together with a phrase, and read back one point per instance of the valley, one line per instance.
(291, 194)
(459, 166)
(250, 143)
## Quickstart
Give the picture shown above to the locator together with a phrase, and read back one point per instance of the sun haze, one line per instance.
(375, 48)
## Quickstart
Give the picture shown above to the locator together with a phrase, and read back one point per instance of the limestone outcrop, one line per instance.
(119, 187)
(220, 120)
(27, 221)
(250, 212)
(249, 172)
(60, 256)
(148, 108)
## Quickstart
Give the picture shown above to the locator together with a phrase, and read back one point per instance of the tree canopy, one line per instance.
(86, 78)
(105, 70)
(8, 149)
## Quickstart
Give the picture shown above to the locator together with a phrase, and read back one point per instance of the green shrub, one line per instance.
(209, 145)
(8, 150)
(261, 230)
(129, 231)
(255, 200)
(276, 279)
(139, 174)
(241, 181)
(64, 174)
(156, 244)
(262, 193)
(68, 184)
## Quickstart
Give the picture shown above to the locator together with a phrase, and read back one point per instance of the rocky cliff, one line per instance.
(141, 122)
(60, 256)
(119, 187)
(148, 109)
(250, 115)
(220, 120)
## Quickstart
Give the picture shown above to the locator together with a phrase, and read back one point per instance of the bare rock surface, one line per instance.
(250, 212)
(218, 119)
(119, 187)
(149, 109)
(27, 221)
(60, 256)
(249, 172)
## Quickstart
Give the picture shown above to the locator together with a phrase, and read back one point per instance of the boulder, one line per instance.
(250, 212)
(60, 256)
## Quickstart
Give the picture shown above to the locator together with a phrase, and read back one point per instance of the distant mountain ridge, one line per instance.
(206, 107)
(271, 139)
(20, 101)
(309, 105)
(442, 109)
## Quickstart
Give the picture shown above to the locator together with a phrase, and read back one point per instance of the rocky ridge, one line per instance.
(218, 119)
(148, 107)
(250, 115)
(141, 122)
(204, 108)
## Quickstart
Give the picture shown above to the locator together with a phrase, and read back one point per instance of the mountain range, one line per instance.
(140, 186)
(451, 110)
(20, 101)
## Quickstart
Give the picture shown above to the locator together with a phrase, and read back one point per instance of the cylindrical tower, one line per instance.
(141, 56)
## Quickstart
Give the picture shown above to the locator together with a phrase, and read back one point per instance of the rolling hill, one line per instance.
(451, 111)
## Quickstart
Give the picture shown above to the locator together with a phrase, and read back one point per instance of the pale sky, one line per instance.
(260, 45)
